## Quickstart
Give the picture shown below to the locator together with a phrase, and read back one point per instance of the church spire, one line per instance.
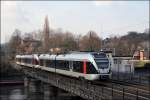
(46, 34)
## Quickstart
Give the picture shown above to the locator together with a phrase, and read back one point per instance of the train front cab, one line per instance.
(103, 65)
(88, 71)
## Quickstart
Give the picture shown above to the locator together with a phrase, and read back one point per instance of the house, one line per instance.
(29, 45)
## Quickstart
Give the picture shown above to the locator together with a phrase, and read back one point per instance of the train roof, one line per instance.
(18, 56)
(24, 56)
(27, 56)
(70, 56)
(47, 56)
(66, 56)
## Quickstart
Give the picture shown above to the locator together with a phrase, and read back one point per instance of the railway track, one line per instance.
(125, 91)
(135, 85)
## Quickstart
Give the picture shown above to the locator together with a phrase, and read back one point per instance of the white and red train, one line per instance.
(87, 65)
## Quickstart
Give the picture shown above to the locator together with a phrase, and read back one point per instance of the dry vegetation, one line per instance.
(48, 40)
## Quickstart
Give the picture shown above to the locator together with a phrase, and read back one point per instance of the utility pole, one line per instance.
(90, 41)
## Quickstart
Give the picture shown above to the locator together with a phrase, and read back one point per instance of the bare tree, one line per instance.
(15, 41)
(90, 42)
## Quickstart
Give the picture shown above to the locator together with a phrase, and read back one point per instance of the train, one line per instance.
(83, 65)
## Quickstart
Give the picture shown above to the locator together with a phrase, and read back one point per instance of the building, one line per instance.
(141, 55)
(120, 64)
(141, 58)
(30, 45)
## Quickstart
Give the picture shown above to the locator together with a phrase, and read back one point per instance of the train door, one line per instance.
(71, 65)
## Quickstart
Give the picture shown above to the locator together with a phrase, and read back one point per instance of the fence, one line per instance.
(136, 78)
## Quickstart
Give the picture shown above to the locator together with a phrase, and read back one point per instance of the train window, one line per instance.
(41, 62)
(90, 68)
(48, 63)
(67, 65)
(78, 66)
(61, 64)
(52, 63)
(26, 60)
(23, 60)
(29, 61)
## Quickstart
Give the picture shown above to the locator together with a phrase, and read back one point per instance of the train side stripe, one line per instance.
(84, 67)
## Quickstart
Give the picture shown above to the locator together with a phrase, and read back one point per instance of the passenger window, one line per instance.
(78, 66)
(41, 62)
(47, 63)
(61, 64)
(52, 64)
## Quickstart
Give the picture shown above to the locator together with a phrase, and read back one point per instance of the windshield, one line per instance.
(102, 63)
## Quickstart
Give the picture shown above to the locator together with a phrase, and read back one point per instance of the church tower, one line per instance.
(46, 35)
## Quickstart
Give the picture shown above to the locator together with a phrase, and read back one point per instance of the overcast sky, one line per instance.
(105, 18)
